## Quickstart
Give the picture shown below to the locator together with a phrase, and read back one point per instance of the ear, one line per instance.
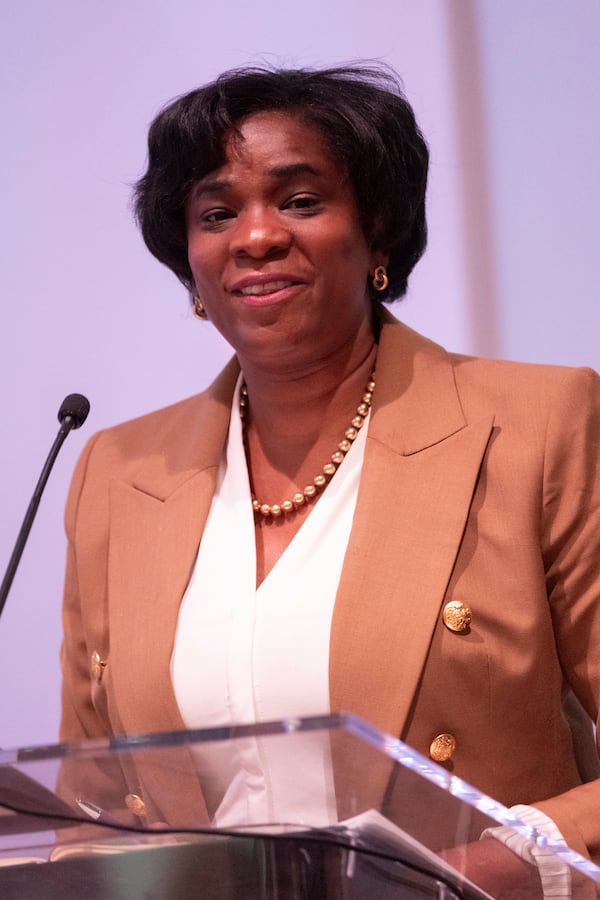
(376, 234)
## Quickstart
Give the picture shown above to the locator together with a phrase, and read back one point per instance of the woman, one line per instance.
(443, 582)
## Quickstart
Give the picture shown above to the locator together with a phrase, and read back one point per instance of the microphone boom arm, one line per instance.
(71, 416)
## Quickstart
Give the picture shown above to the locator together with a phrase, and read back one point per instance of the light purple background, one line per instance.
(507, 94)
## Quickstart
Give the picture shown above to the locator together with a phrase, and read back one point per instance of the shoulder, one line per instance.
(536, 391)
(497, 386)
(156, 451)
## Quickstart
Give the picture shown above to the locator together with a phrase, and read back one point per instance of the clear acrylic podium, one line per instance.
(301, 809)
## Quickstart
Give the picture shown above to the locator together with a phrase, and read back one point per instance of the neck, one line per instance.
(287, 409)
(297, 435)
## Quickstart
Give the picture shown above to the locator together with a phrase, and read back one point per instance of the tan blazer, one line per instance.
(480, 484)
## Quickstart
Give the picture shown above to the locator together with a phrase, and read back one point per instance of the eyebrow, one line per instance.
(293, 169)
(211, 186)
(280, 173)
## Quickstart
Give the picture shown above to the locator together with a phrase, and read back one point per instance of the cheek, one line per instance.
(355, 260)
(201, 264)
(352, 246)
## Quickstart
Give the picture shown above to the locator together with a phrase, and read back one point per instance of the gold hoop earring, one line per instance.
(199, 311)
(380, 279)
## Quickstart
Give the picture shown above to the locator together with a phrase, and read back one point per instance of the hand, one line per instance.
(496, 869)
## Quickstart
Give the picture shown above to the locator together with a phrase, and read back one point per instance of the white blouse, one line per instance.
(244, 654)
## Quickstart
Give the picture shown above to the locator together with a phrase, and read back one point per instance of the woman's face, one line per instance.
(276, 249)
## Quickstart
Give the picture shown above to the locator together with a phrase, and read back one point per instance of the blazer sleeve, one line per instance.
(571, 551)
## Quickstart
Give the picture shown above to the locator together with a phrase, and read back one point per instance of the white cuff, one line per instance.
(554, 873)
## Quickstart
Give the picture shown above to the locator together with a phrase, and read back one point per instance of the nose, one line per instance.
(259, 233)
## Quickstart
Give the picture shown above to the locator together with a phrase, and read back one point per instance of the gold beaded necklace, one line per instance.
(275, 510)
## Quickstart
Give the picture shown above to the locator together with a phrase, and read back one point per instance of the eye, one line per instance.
(217, 216)
(303, 203)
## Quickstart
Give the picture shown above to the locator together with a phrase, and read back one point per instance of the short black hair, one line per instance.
(362, 114)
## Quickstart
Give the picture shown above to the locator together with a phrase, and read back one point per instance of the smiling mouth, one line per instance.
(258, 290)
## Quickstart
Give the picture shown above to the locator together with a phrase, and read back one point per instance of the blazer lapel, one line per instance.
(148, 570)
(149, 566)
(420, 470)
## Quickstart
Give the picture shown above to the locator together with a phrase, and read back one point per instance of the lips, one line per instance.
(262, 285)
(258, 290)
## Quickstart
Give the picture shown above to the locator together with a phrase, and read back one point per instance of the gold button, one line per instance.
(456, 616)
(98, 666)
(135, 804)
(442, 747)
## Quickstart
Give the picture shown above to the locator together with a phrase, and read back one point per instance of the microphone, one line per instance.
(72, 414)
(75, 408)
